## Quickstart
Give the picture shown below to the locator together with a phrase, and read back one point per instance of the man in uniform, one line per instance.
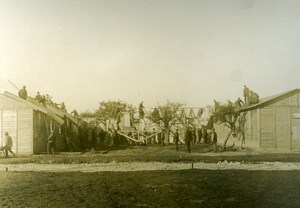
(38, 97)
(50, 144)
(176, 139)
(188, 138)
(246, 94)
(23, 93)
(141, 110)
(214, 139)
(8, 145)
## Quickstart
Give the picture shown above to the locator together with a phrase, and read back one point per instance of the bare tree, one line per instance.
(226, 114)
(166, 116)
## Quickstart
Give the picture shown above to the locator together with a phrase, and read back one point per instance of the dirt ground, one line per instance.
(267, 179)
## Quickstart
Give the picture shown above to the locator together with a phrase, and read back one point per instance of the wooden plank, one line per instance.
(25, 131)
(282, 130)
(1, 130)
(267, 119)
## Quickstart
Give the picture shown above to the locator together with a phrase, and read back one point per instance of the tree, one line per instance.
(113, 110)
(87, 114)
(166, 116)
(226, 114)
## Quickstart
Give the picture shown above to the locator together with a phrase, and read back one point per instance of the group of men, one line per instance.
(43, 99)
(250, 97)
(46, 100)
(189, 137)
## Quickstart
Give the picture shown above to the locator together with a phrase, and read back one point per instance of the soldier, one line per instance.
(204, 134)
(214, 139)
(176, 139)
(188, 138)
(141, 110)
(48, 100)
(246, 94)
(38, 97)
(23, 93)
(8, 145)
(200, 134)
(50, 143)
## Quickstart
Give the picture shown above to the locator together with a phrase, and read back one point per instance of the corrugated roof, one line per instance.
(271, 99)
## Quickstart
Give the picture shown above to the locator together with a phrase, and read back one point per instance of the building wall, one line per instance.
(18, 123)
(282, 127)
(25, 131)
(267, 127)
(276, 124)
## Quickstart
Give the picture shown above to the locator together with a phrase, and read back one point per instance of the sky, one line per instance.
(189, 51)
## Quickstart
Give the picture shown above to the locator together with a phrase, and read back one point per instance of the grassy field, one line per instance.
(189, 188)
(200, 153)
(180, 188)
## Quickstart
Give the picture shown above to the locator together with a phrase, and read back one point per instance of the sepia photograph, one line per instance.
(149, 103)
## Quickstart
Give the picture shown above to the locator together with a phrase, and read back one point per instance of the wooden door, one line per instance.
(295, 128)
(282, 131)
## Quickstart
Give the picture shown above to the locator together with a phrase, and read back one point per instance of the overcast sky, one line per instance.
(83, 51)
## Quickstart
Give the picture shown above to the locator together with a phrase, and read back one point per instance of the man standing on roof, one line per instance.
(38, 97)
(246, 94)
(23, 93)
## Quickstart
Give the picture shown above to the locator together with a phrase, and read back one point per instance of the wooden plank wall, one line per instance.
(267, 134)
(40, 132)
(18, 123)
(25, 131)
(282, 128)
(1, 132)
(9, 124)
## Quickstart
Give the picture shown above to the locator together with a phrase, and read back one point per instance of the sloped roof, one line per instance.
(64, 114)
(14, 97)
(271, 99)
(36, 106)
(52, 112)
(49, 112)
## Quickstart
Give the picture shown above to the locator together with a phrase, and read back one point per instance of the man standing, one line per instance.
(188, 138)
(204, 134)
(8, 145)
(214, 139)
(200, 134)
(23, 93)
(246, 94)
(176, 139)
(141, 110)
(38, 97)
(50, 144)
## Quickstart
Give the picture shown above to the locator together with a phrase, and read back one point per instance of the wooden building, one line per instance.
(274, 122)
(29, 124)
